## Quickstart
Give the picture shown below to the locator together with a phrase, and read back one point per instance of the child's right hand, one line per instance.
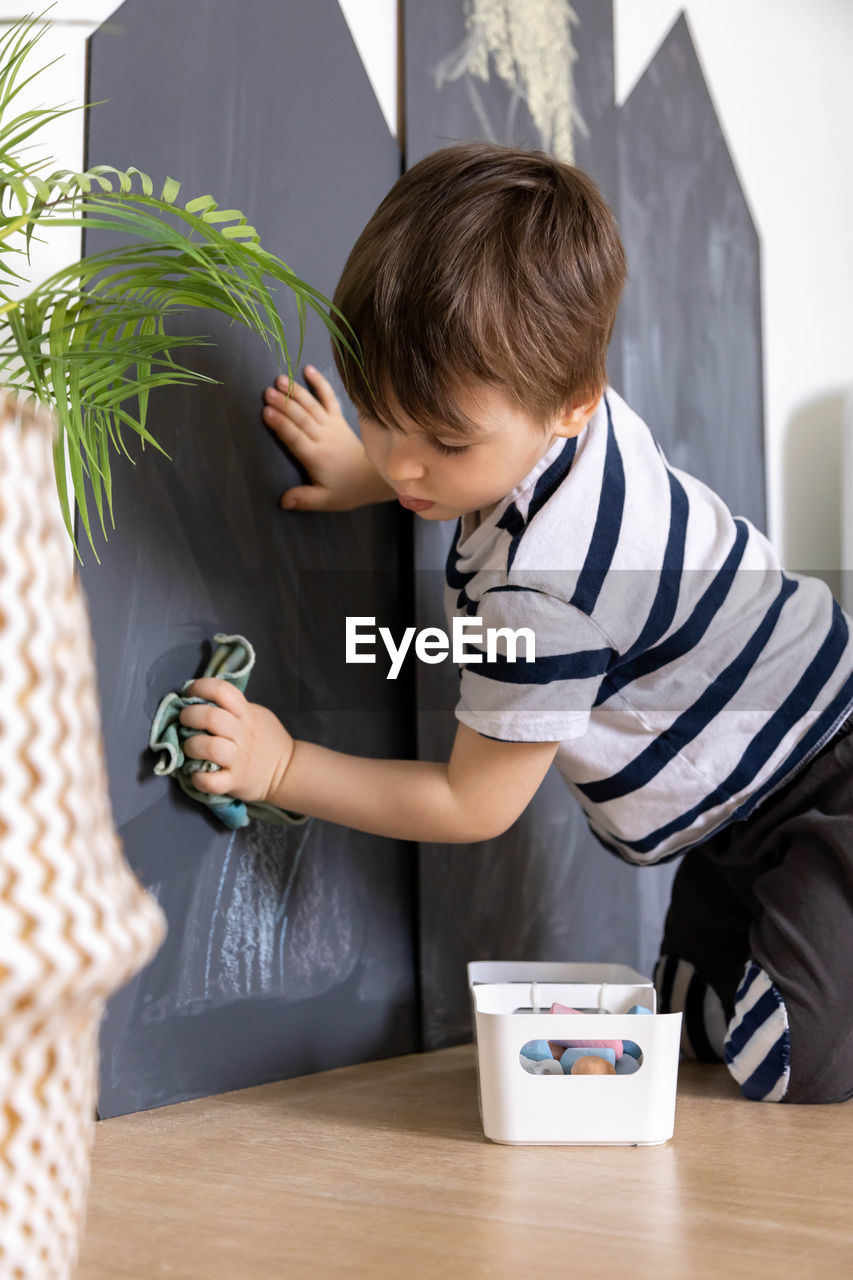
(320, 438)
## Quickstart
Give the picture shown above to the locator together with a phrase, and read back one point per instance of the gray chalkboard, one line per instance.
(692, 309)
(545, 889)
(289, 951)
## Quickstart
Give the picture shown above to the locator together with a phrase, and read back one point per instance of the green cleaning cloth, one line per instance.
(233, 661)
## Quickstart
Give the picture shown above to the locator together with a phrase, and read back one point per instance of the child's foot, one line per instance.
(758, 1040)
(703, 1025)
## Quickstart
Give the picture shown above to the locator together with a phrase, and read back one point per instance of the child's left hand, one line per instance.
(251, 746)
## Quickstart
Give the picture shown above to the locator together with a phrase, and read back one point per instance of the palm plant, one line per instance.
(90, 342)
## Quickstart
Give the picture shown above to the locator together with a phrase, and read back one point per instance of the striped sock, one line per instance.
(758, 1041)
(703, 1026)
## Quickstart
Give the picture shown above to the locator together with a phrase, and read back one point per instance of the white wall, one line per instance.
(781, 75)
(62, 85)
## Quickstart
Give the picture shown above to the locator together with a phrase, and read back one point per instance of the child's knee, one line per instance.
(772, 1060)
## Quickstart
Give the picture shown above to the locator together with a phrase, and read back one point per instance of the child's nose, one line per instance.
(402, 460)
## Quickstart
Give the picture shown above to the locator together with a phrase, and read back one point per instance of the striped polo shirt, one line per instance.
(684, 674)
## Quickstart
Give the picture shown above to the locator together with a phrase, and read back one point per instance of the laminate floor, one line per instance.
(382, 1171)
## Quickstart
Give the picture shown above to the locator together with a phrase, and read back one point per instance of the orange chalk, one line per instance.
(593, 1066)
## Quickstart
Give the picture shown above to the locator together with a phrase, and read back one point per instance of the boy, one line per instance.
(694, 696)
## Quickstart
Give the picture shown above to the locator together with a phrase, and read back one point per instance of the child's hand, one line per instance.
(250, 744)
(317, 434)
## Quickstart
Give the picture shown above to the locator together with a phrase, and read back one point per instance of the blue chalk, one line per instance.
(547, 1066)
(627, 1065)
(536, 1051)
(629, 1047)
(639, 1008)
(570, 1057)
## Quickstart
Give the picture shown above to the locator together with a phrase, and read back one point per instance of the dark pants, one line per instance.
(778, 889)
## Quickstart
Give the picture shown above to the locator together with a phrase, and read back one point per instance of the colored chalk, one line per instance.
(615, 1045)
(632, 1049)
(639, 1008)
(627, 1065)
(536, 1050)
(527, 1008)
(575, 1053)
(547, 1066)
(593, 1066)
(565, 1008)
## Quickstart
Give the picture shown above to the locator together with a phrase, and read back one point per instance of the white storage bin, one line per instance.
(517, 1107)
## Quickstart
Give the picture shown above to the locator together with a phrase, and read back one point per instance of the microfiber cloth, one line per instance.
(233, 661)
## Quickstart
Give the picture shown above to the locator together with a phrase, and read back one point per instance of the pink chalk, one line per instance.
(615, 1045)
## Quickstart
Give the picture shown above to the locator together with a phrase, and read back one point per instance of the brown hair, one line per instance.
(482, 264)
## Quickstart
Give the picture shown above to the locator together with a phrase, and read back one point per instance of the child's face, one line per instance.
(444, 477)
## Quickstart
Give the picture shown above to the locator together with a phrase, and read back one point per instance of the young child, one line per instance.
(695, 697)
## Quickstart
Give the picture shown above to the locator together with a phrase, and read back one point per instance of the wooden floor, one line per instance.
(382, 1171)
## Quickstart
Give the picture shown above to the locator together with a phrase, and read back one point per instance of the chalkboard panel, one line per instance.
(692, 307)
(289, 951)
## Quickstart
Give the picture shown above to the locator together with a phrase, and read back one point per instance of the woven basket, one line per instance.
(74, 922)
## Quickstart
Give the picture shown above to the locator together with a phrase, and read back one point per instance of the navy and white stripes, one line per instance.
(684, 675)
(758, 1041)
(755, 1043)
(703, 1024)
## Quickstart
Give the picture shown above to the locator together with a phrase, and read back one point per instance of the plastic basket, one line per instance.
(517, 1107)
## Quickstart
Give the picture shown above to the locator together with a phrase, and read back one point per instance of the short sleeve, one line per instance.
(507, 695)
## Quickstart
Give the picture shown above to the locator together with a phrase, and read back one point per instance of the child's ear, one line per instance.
(572, 420)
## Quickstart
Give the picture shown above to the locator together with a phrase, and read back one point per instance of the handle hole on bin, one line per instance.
(581, 1058)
